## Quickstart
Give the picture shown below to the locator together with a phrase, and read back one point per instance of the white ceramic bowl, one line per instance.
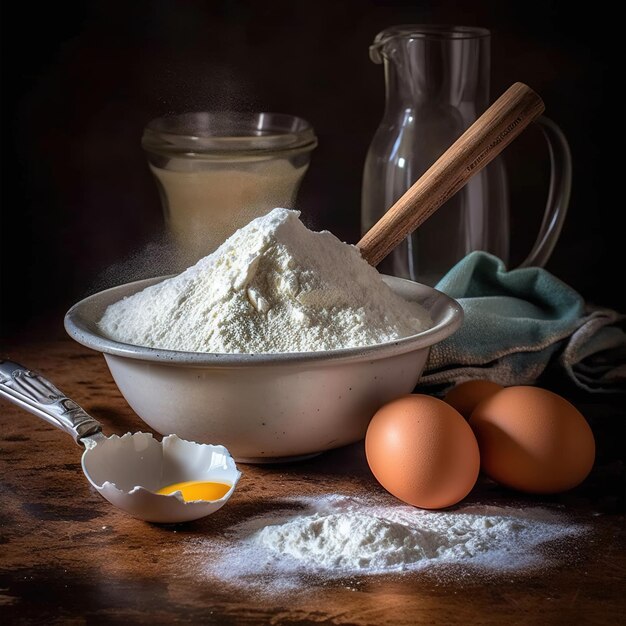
(265, 407)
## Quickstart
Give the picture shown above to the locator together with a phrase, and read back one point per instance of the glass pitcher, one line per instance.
(437, 84)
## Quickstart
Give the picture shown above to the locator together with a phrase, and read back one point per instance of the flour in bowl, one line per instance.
(273, 286)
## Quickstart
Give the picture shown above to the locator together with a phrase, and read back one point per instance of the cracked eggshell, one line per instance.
(128, 470)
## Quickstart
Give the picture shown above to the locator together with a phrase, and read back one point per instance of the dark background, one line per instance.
(80, 80)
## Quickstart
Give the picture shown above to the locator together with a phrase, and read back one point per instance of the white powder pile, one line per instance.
(337, 536)
(273, 286)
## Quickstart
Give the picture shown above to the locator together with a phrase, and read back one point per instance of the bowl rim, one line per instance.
(81, 328)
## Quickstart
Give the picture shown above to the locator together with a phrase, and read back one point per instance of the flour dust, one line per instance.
(337, 537)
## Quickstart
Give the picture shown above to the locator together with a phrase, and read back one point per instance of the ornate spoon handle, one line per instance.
(39, 396)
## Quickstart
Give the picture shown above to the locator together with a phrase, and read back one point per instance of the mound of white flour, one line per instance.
(273, 286)
(334, 536)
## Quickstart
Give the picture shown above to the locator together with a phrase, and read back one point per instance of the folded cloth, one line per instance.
(519, 322)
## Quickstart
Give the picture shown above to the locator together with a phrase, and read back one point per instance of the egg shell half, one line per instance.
(533, 440)
(422, 451)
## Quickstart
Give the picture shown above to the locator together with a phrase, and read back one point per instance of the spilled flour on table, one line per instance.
(336, 536)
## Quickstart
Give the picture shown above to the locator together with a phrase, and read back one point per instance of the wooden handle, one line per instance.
(502, 122)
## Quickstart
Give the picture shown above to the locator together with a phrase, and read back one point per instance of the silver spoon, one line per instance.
(126, 470)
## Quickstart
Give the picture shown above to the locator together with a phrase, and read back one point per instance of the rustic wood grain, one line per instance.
(67, 556)
(495, 129)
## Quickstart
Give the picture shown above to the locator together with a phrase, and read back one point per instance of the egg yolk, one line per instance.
(197, 490)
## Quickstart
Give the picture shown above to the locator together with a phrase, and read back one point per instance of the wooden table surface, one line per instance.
(68, 556)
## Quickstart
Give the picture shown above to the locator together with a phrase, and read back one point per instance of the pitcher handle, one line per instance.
(558, 194)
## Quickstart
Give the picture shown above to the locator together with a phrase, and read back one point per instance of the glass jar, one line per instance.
(217, 171)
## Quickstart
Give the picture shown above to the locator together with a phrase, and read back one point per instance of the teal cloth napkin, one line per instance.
(518, 323)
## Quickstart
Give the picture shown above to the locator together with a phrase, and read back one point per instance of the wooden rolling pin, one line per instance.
(495, 129)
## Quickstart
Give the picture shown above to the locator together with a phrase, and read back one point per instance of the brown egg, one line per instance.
(533, 440)
(422, 451)
(466, 396)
